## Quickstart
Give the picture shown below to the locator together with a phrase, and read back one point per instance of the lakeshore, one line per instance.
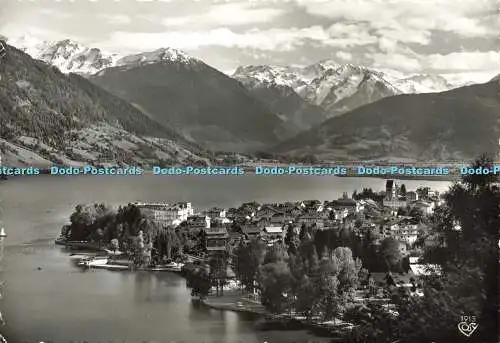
(210, 234)
(147, 301)
(243, 302)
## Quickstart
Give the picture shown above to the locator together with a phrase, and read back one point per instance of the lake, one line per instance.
(46, 298)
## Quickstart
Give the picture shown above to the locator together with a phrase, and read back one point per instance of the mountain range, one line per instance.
(258, 107)
(458, 124)
(339, 88)
(50, 117)
(177, 90)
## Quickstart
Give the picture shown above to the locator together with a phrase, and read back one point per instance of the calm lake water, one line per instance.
(61, 303)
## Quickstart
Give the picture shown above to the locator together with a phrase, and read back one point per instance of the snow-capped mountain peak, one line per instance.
(70, 56)
(327, 82)
(156, 56)
(67, 55)
(313, 82)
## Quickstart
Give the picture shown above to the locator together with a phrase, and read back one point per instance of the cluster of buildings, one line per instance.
(396, 198)
(270, 222)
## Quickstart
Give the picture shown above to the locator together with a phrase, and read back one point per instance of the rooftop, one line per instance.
(273, 229)
(250, 229)
(219, 248)
(216, 231)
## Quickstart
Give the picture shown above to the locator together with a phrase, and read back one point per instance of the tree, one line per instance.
(275, 281)
(99, 235)
(291, 239)
(328, 284)
(198, 279)
(306, 296)
(85, 220)
(249, 257)
(276, 253)
(218, 272)
(304, 234)
(402, 190)
(423, 192)
(403, 211)
(389, 250)
(142, 250)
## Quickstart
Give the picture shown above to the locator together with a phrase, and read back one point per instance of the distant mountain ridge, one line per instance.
(454, 125)
(340, 88)
(200, 102)
(67, 55)
(50, 117)
(177, 90)
(266, 105)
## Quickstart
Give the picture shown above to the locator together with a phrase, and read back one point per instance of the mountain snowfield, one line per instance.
(310, 81)
(326, 83)
(337, 88)
(72, 57)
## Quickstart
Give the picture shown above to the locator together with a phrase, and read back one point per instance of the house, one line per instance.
(331, 223)
(235, 237)
(411, 196)
(280, 219)
(266, 211)
(310, 219)
(394, 203)
(216, 239)
(307, 204)
(273, 234)
(404, 232)
(261, 222)
(426, 207)
(165, 214)
(295, 211)
(314, 209)
(215, 212)
(351, 205)
(184, 209)
(177, 213)
(250, 231)
(250, 206)
(285, 207)
(151, 209)
(339, 213)
(198, 222)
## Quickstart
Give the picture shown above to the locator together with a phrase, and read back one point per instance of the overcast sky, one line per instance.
(408, 35)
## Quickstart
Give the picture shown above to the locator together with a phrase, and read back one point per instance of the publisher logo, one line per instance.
(467, 325)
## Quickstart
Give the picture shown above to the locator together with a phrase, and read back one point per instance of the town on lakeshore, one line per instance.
(369, 242)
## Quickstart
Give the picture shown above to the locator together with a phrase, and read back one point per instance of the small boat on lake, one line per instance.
(93, 261)
(3, 233)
